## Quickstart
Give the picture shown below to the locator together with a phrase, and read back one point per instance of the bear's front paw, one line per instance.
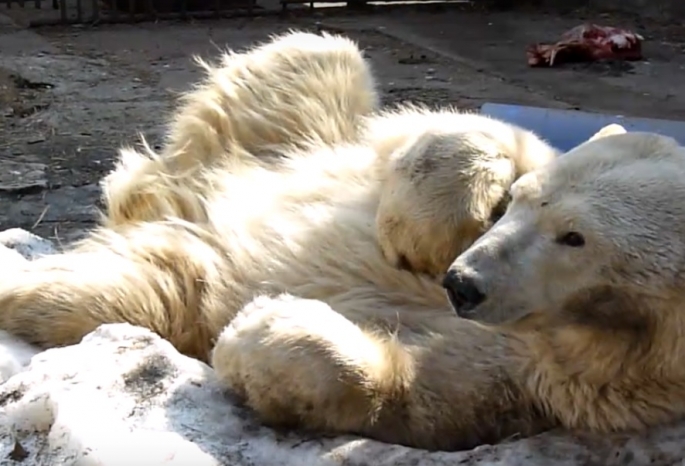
(293, 359)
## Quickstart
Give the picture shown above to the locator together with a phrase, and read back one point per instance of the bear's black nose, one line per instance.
(463, 292)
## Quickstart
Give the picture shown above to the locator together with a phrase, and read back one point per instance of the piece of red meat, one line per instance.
(588, 42)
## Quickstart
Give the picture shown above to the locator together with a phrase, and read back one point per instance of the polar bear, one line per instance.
(282, 282)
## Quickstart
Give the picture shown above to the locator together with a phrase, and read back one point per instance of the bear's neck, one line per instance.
(602, 379)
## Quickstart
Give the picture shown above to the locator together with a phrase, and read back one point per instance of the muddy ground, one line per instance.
(70, 96)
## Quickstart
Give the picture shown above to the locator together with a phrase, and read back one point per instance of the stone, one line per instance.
(22, 177)
(65, 213)
(26, 244)
(124, 396)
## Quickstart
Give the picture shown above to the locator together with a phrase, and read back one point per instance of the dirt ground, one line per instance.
(70, 96)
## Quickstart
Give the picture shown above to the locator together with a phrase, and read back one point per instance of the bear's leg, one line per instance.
(300, 341)
(438, 197)
(298, 363)
(155, 276)
(296, 89)
(142, 188)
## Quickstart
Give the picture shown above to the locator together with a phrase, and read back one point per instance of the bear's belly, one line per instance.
(325, 249)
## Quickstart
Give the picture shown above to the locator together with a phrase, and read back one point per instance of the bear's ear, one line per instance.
(608, 130)
(606, 308)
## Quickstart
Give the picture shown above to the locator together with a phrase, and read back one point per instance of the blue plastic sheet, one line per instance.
(565, 129)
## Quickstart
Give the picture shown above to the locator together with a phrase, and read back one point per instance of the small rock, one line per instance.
(36, 140)
(26, 244)
(20, 177)
(19, 453)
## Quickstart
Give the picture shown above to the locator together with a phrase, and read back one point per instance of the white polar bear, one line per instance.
(269, 262)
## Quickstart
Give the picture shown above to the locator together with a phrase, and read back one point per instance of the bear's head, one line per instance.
(595, 233)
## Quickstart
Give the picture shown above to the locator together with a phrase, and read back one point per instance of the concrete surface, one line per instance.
(660, 8)
(69, 96)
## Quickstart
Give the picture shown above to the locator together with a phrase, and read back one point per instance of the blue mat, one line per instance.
(565, 129)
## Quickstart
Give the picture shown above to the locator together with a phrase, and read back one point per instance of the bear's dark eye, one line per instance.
(572, 239)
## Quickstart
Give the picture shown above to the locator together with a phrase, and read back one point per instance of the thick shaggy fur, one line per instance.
(282, 284)
(603, 347)
(301, 92)
(289, 93)
(432, 158)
